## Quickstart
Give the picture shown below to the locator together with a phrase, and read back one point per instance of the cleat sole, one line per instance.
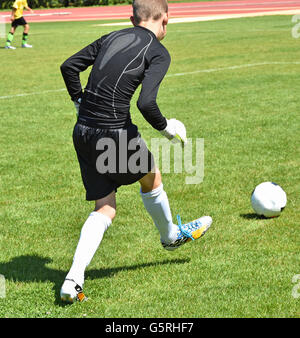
(81, 297)
(199, 232)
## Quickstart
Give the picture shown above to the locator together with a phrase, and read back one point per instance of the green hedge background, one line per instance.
(7, 4)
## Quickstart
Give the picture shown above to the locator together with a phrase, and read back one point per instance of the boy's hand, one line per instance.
(30, 10)
(175, 131)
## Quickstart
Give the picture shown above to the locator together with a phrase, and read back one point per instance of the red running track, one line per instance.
(194, 9)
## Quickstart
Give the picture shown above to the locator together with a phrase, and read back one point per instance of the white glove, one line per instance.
(77, 105)
(175, 131)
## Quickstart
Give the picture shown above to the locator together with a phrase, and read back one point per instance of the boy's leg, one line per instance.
(156, 203)
(25, 37)
(90, 238)
(10, 37)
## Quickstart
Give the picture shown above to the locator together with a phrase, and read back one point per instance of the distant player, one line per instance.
(122, 60)
(17, 19)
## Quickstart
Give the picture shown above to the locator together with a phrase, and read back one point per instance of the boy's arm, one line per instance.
(153, 77)
(29, 9)
(76, 64)
(12, 18)
(172, 129)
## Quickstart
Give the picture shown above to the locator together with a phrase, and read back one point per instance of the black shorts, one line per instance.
(109, 158)
(19, 22)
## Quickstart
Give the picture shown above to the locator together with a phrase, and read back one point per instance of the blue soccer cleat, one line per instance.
(189, 232)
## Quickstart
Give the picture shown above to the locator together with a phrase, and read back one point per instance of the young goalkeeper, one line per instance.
(17, 19)
(122, 60)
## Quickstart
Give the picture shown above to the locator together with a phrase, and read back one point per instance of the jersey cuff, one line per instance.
(77, 97)
(162, 125)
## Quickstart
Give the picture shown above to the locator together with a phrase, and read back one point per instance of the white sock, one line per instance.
(157, 204)
(90, 238)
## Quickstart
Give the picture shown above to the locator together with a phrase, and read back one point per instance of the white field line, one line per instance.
(42, 14)
(214, 17)
(240, 4)
(249, 65)
(235, 3)
(211, 70)
(31, 94)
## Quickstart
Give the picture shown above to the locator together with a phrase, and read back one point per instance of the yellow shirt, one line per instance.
(19, 6)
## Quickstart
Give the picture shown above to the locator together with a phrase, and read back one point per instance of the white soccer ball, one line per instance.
(268, 199)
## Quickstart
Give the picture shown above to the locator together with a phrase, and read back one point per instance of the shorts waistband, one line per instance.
(104, 125)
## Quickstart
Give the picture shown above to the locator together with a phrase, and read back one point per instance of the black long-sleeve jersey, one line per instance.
(122, 60)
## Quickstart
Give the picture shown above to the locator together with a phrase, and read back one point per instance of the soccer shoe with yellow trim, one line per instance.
(71, 292)
(189, 232)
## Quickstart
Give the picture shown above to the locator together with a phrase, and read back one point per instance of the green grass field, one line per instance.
(249, 118)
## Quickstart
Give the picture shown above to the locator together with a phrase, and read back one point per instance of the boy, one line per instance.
(122, 60)
(17, 19)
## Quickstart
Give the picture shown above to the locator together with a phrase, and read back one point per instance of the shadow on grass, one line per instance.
(32, 268)
(252, 216)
